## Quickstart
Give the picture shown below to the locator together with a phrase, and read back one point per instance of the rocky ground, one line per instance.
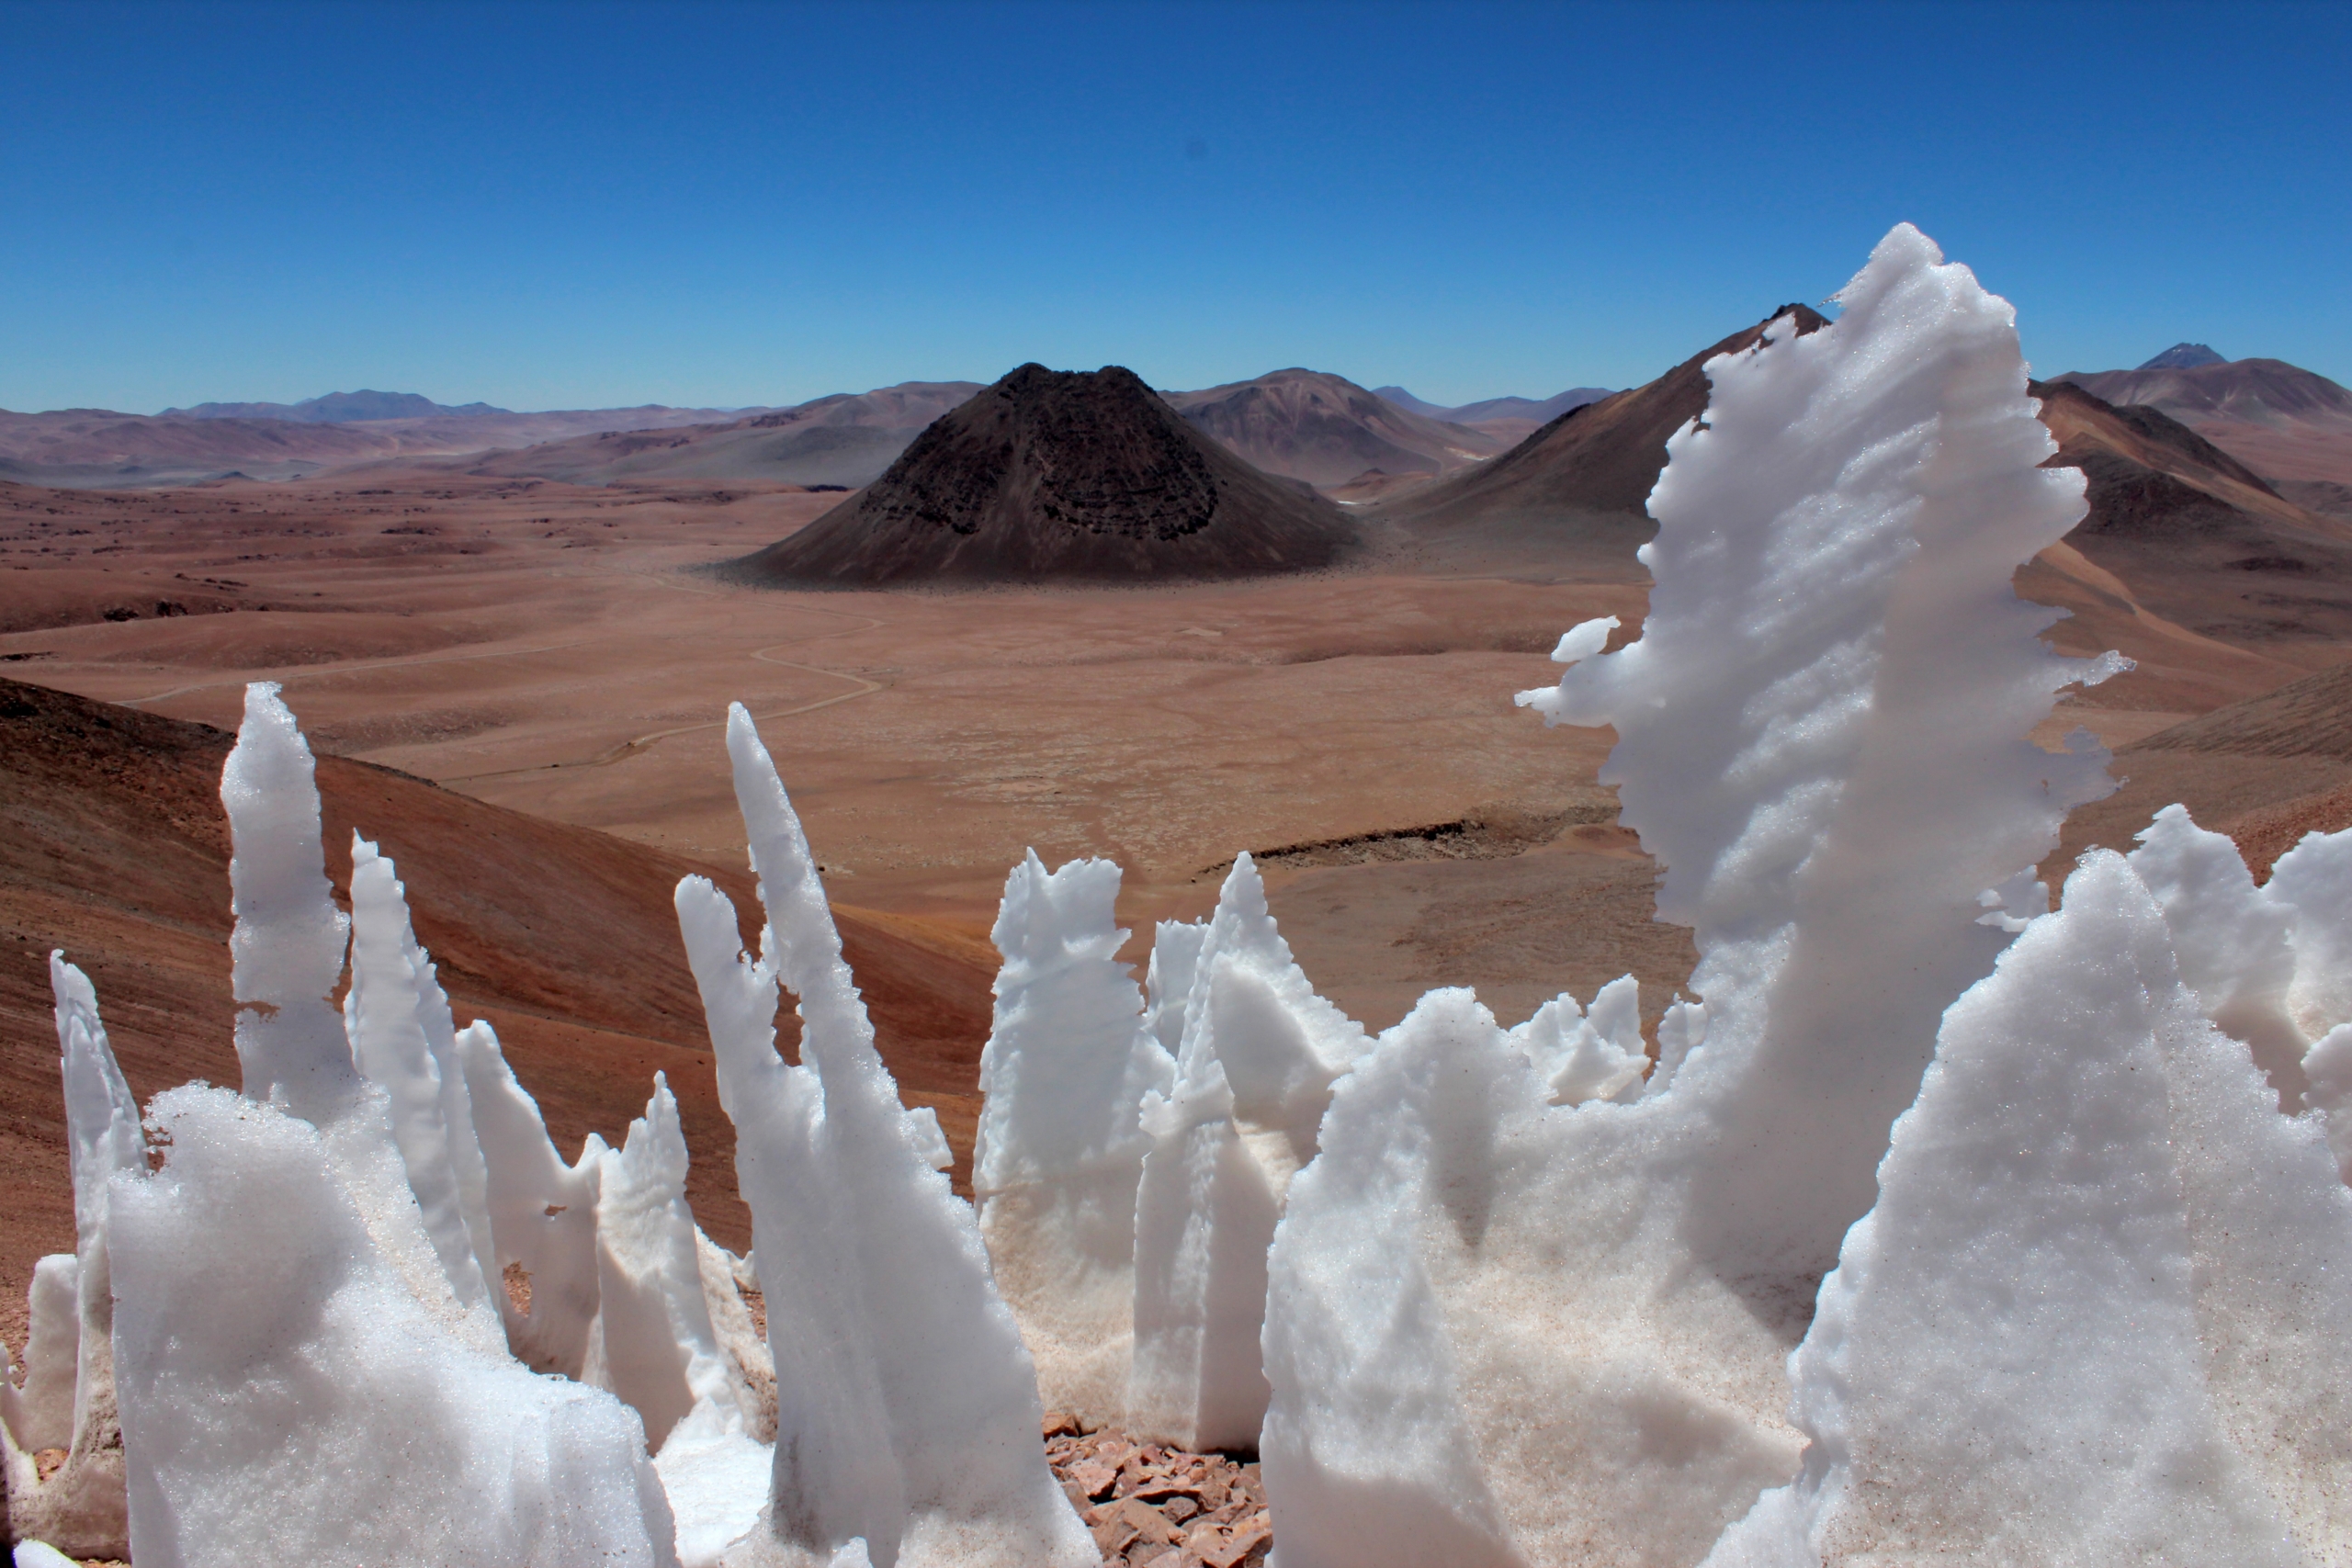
(1151, 1506)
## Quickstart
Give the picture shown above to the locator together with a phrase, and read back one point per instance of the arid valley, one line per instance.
(1175, 784)
(564, 653)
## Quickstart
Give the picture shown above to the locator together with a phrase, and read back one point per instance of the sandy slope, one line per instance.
(113, 847)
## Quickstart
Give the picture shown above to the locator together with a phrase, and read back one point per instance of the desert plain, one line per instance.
(518, 687)
(554, 651)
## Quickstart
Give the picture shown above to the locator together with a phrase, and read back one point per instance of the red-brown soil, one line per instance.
(1149, 1505)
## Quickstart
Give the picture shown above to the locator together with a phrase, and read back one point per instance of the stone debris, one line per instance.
(1152, 1506)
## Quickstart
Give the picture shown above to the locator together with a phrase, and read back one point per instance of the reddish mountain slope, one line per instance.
(1575, 489)
(1305, 424)
(2283, 422)
(113, 847)
(2197, 536)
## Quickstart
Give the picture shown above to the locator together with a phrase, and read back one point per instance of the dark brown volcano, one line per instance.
(1579, 489)
(1060, 475)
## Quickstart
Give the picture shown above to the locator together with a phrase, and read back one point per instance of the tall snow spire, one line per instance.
(1259, 1052)
(1823, 737)
(907, 1406)
(1069, 1061)
(404, 1041)
(287, 947)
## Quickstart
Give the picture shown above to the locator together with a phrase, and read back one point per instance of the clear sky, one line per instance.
(567, 205)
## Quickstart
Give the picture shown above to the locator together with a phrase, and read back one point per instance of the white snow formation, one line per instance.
(1258, 1051)
(2098, 1313)
(403, 1040)
(542, 1213)
(67, 1400)
(1060, 1149)
(653, 1342)
(672, 1339)
(2269, 965)
(1822, 739)
(1168, 979)
(1594, 1055)
(286, 1396)
(300, 1376)
(908, 1415)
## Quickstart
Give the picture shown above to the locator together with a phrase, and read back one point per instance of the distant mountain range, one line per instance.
(339, 408)
(1294, 423)
(2290, 425)
(847, 439)
(1311, 425)
(101, 449)
(1418, 464)
(1529, 409)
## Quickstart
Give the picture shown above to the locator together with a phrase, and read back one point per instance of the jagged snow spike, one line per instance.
(1824, 735)
(1067, 1065)
(404, 1041)
(1259, 1053)
(68, 1398)
(288, 946)
(542, 1211)
(908, 1406)
(2097, 1311)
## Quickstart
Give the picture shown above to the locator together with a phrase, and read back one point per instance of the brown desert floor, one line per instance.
(539, 648)
(549, 651)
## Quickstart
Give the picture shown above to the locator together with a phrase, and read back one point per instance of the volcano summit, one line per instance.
(1062, 475)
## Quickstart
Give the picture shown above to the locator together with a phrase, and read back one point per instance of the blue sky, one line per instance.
(561, 205)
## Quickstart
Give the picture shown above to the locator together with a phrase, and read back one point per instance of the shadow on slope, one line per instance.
(1573, 495)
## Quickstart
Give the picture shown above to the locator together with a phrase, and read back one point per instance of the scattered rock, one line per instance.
(1151, 1506)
